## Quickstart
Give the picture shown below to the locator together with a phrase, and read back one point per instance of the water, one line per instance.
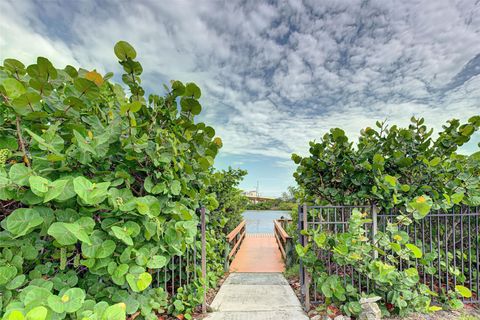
(261, 221)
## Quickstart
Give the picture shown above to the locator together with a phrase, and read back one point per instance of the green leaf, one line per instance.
(19, 174)
(36, 295)
(121, 234)
(68, 233)
(56, 304)
(46, 69)
(434, 308)
(416, 251)
(10, 143)
(91, 193)
(55, 189)
(37, 313)
(6, 274)
(73, 299)
(16, 282)
(123, 50)
(157, 262)
(119, 273)
(175, 187)
(14, 315)
(378, 159)
(178, 89)
(115, 312)
(27, 103)
(139, 282)
(391, 180)
(420, 206)
(14, 66)
(22, 221)
(434, 162)
(192, 90)
(463, 291)
(13, 88)
(190, 105)
(38, 185)
(457, 197)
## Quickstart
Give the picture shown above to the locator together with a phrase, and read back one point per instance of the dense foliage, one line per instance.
(231, 201)
(401, 168)
(390, 166)
(273, 204)
(98, 190)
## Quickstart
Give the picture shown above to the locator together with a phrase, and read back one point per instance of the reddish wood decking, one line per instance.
(258, 253)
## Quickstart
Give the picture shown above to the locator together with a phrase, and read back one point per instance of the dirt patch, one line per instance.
(467, 313)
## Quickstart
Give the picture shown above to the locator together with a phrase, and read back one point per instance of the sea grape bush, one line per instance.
(399, 288)
(98, 190)
(391, 167)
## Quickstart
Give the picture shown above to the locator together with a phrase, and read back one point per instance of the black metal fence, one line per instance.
(183, 270)
(449, 241)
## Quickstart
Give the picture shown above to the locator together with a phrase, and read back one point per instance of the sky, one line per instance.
(274, 74)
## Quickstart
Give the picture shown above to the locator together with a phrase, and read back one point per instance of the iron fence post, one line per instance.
(305, 243)
(300, 241)
(374, 227)
(204, 261)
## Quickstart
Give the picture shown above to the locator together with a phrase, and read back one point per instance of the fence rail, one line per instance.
(234, 241)
(450, 240)
(284, 241)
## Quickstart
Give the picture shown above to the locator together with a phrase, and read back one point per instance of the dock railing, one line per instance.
(234, 241)
(284, 241)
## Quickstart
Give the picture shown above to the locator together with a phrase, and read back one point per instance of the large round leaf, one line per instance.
(13, 88)
(22, 221)
(73, 299)
(123, 50)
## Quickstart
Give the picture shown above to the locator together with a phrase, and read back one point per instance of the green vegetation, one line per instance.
(286, 202)
(98, 192)
(231, 201)
(396, 167)
(274, 204)
(391, 165)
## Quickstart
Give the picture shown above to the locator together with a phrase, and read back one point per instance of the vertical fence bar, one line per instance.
(300, 240)
(477, 244)
(204, 261)
(374, 228)
(305, 240)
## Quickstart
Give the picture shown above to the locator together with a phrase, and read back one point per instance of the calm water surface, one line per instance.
(261, 221)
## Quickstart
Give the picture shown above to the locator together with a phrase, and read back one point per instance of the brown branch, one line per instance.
(22, 143)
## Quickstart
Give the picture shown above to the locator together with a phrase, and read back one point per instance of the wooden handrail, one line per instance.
(236, 231)
(283, 234)
(284, 241)
(234, 240)
(236, 246)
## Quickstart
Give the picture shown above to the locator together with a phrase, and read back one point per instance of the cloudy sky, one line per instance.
(274, 74)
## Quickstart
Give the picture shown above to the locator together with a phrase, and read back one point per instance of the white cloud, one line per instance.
(273, 77)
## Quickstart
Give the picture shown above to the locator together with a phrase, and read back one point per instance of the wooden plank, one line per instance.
(281, 231)
(234, 249)
(236, 231)
(280, 246)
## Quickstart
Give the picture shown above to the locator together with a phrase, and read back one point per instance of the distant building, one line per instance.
(255, 197)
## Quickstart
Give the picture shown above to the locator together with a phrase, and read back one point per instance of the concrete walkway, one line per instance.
(258, 253)
(252, 296)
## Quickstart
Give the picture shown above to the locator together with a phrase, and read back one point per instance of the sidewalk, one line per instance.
(252, 296)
